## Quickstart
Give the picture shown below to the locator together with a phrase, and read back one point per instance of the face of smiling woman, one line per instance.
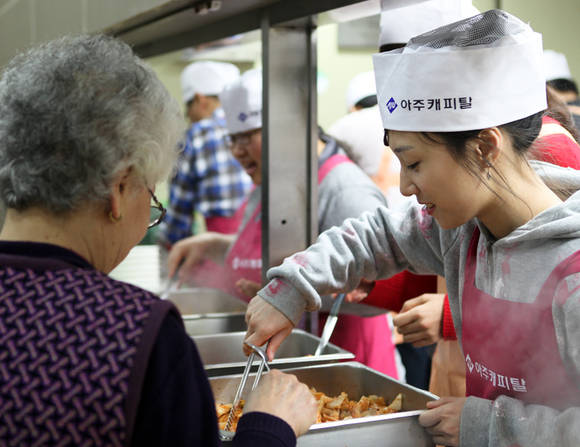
(247, 149)
(447, 190)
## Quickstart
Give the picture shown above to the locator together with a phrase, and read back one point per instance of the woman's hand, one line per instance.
(361, 292)
(247, 287)
(282, 395)
(442, 420)
(420, 319)
(265, 322)
(191, 251)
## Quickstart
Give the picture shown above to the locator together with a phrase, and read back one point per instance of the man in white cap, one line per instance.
(559, 77)
(208, 179)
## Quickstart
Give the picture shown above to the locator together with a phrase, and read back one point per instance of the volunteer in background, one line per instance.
(361, 132)
(343, 191)
(502, 230)
(558, 77)
(208, 179)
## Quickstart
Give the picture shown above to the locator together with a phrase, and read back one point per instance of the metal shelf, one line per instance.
(178, 24)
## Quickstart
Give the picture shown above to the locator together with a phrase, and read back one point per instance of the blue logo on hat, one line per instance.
(242, 117)
(391, 105)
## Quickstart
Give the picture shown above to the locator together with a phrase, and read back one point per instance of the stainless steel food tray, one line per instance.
(222, 354)
(214, 323)
(209, 311)
(204, 301)
(400, 429)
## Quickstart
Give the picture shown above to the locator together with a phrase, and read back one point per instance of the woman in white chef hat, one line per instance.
(461, 106)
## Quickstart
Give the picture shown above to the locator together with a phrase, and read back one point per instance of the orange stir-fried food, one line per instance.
(223, 412)
(341, 407)
(329, 408)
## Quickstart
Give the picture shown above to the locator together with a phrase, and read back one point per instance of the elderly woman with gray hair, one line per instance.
(86, 131)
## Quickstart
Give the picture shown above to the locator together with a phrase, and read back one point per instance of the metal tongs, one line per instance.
(263, 363)
(329, 325)
(172, 284)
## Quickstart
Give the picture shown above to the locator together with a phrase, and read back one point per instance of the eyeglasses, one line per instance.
(242, 139)
(157, 211)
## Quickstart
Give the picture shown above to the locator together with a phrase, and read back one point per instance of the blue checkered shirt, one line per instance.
(208, 179)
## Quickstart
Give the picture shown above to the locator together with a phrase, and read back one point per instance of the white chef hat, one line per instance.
(359, 87)
(206, 78)
(242, 102)
(400, 20)
(556, 66)
(479, 72)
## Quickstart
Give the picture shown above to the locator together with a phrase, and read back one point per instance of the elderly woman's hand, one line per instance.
(282, 395)
(419, 321)
(189, 252)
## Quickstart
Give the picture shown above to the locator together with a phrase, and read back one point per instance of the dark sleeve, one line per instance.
(177, 406)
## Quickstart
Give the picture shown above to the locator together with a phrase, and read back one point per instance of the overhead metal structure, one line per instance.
(289, 151)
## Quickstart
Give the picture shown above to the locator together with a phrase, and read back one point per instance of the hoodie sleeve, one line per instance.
(375, 246)
(508, 421)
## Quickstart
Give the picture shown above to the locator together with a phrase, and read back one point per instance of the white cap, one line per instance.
(476, 73)
(242, 102)
(206, 78)
(400, 20)
(556, 66)
(359, 87)
(362, 131)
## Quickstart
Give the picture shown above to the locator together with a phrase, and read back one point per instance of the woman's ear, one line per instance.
(118, 193)
(489, 144)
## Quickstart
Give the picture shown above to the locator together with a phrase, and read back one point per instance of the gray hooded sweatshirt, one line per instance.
(380, 244)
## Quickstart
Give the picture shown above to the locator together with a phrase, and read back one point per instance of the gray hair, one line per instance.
(76, 111)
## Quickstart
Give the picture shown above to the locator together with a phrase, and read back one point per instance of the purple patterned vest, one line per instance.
(74, 346)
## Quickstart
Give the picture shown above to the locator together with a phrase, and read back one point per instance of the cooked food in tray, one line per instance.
(339, 408)
(330, 409)
(223, 412)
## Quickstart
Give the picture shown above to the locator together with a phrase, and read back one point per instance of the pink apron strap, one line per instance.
(330, 164)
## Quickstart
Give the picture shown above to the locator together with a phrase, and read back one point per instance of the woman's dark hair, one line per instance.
(367, 101)
(563, 85)
(522, 133)
(559, 111)
(390, 46)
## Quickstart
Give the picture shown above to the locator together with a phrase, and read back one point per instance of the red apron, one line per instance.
(510, 347)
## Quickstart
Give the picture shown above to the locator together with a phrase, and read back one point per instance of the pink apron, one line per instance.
(225, 225)
(244, 260)
(510, 347)
(216, 276)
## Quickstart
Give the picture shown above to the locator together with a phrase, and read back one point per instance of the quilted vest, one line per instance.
(74, 346)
